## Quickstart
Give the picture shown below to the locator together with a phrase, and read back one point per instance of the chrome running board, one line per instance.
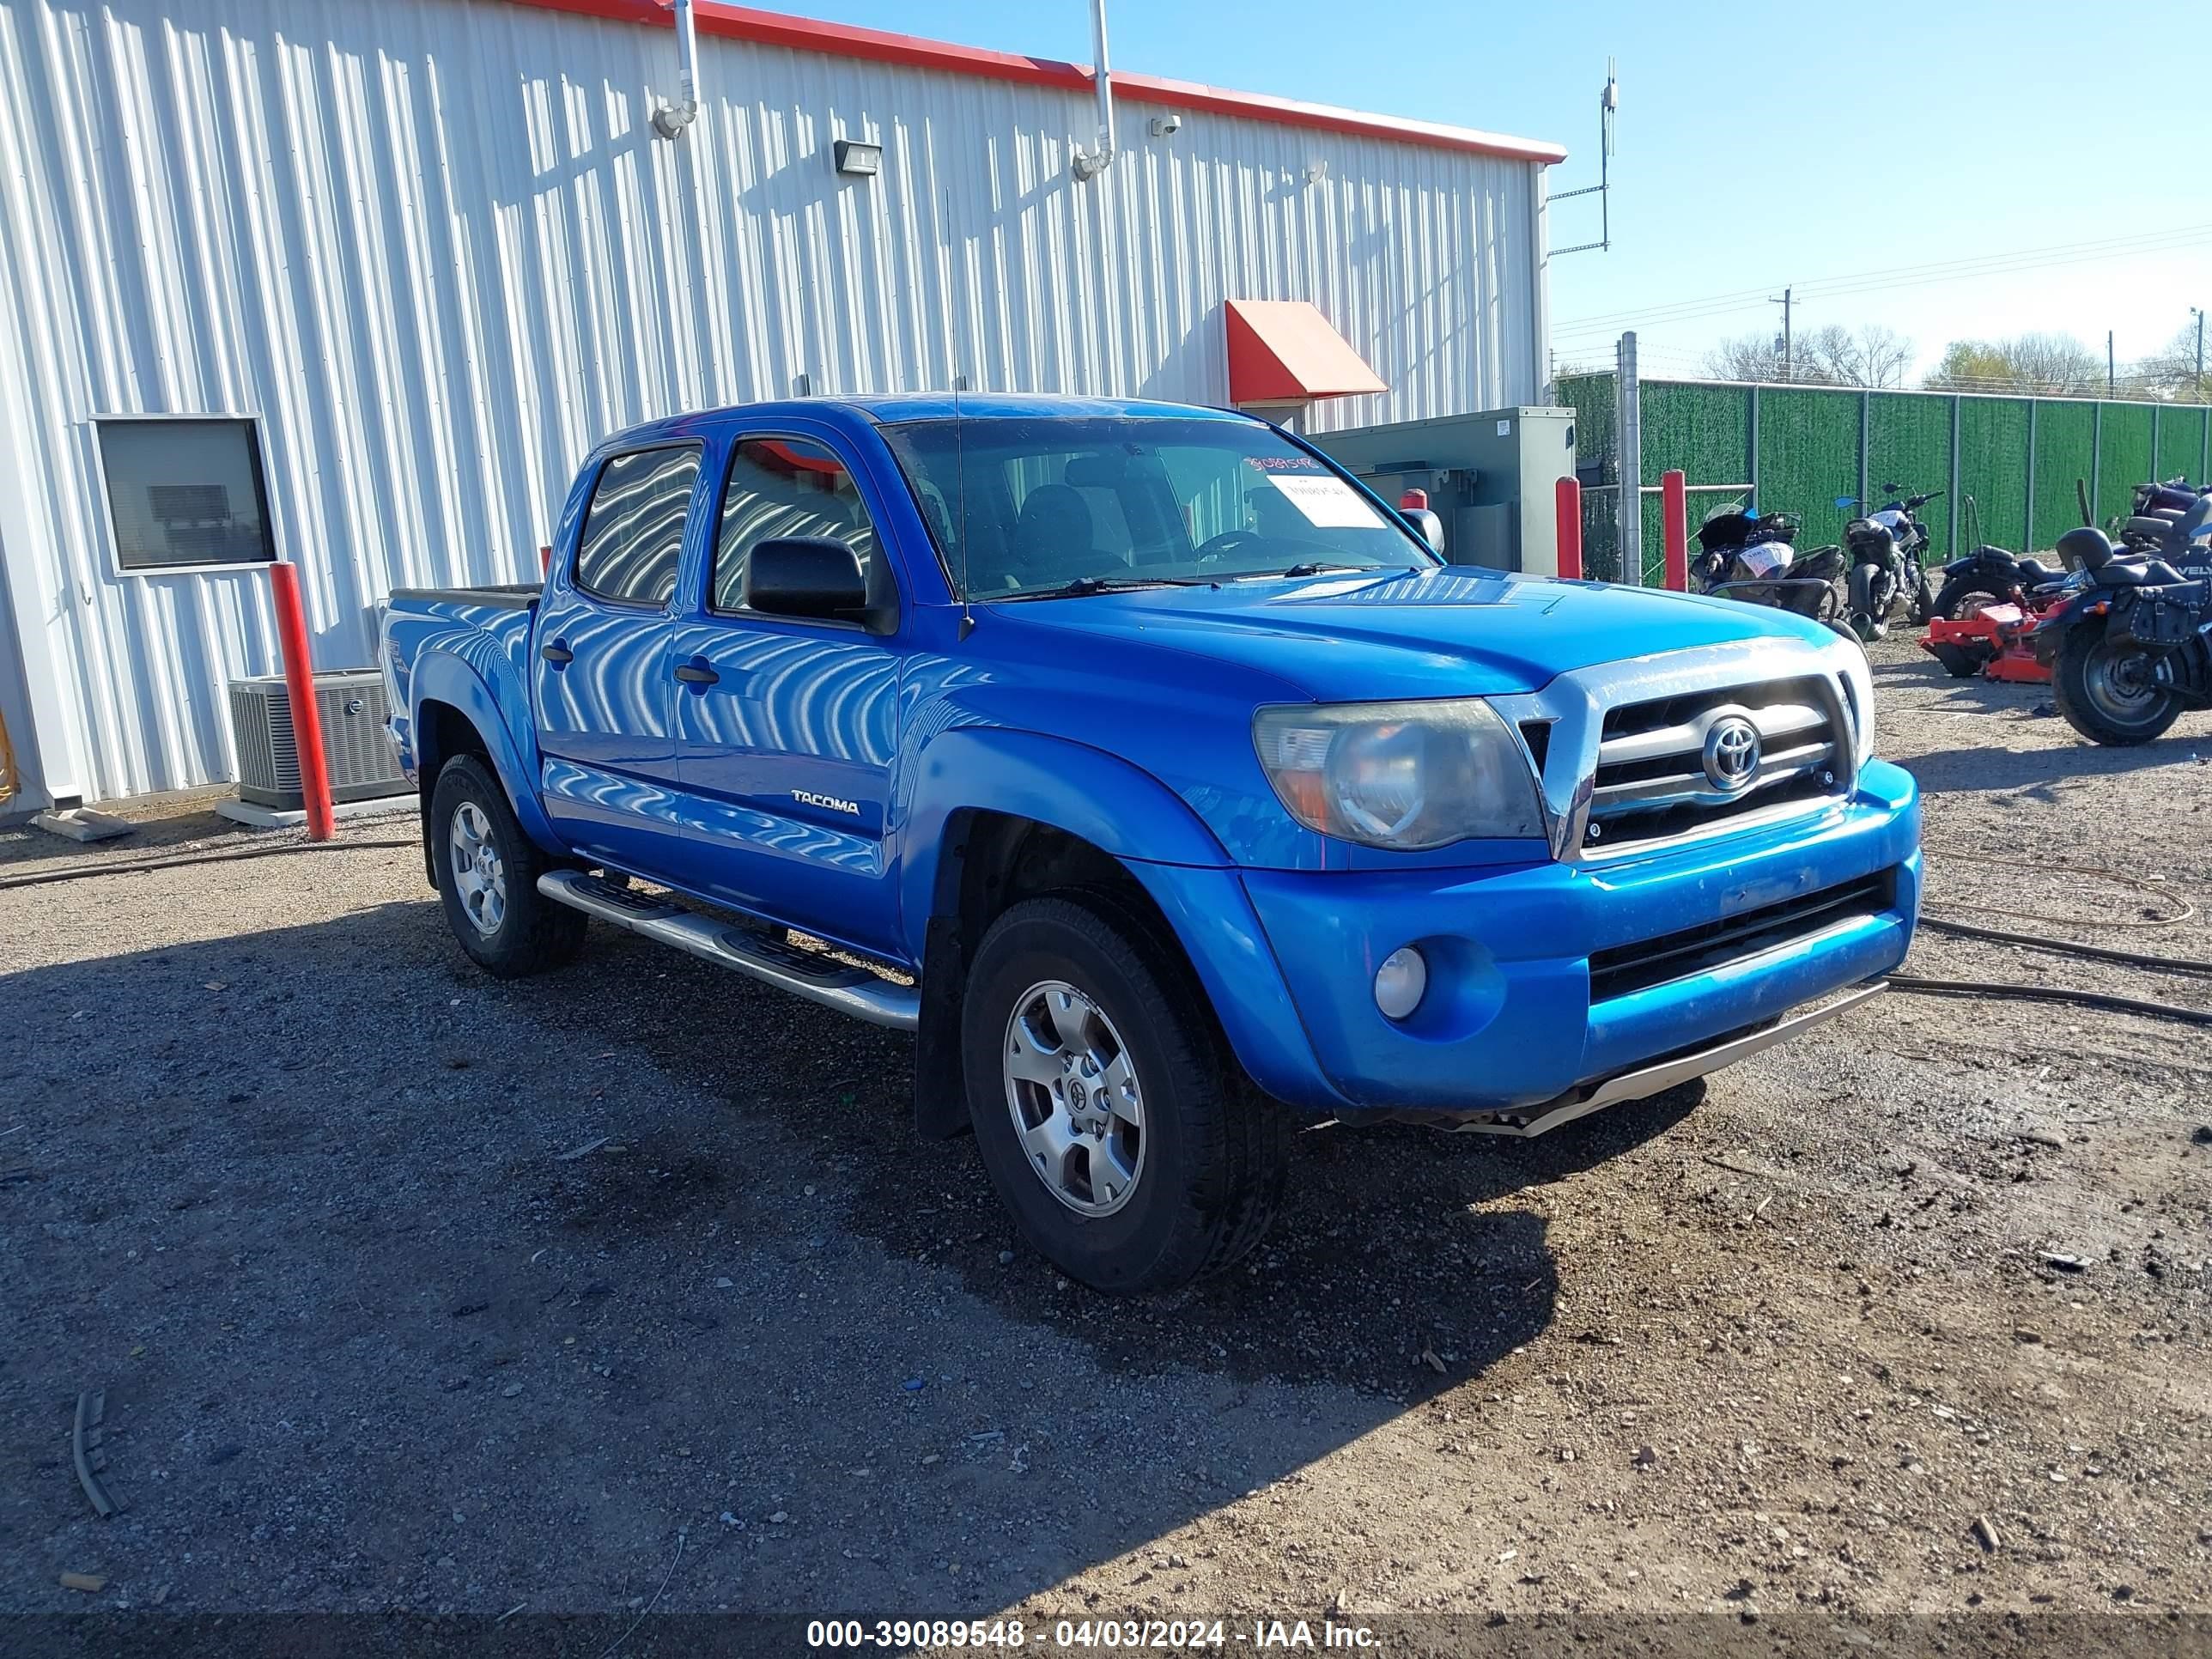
(809, 974)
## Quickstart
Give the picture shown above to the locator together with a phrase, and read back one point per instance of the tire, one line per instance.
(1059, 985)
(1959, 593)
(1958, 662)
(2094, 703)
(523, 933)
(1924, 605)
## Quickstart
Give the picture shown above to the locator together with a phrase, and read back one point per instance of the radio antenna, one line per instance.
(960, 484)
(960, 472)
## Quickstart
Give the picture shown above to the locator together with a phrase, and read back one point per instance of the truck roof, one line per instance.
(890, 408)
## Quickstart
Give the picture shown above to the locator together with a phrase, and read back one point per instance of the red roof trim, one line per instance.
(770, 28)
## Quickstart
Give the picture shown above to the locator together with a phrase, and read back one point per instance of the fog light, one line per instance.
(1400, 983)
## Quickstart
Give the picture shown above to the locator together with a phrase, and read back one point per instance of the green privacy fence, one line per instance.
(2008, 465)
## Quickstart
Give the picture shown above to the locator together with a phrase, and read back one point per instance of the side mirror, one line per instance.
(1431, 527)
(806, 576)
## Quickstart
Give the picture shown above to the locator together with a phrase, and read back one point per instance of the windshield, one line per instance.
(1052, 503)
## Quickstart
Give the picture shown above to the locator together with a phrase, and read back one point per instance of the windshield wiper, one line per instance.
(1315, 566)
(1083, 586)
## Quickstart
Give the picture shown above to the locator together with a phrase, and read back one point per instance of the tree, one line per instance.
(1828, 356)
(1871, 356)
(2171, 371)
(1748, 357)
(2047, 364)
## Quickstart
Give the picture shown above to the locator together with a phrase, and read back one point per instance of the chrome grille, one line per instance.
(1663, 765)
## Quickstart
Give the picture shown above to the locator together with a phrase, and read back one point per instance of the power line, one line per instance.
(2106, 248)
(2167, 240)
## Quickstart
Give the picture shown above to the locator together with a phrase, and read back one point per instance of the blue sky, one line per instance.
(1759, 146)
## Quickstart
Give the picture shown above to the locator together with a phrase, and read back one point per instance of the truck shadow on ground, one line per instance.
(639, 1244)
(1393, 1244)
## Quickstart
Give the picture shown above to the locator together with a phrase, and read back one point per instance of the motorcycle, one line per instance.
(1989, 575)
(2132, 648)
(1886, 549)
(1754, 557)
(2156, 513)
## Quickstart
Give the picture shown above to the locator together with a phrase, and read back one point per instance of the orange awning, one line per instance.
(1284, 351)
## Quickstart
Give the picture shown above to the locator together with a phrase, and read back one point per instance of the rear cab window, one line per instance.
(632, 541)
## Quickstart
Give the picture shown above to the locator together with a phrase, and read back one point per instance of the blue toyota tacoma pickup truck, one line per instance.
(1161, 779)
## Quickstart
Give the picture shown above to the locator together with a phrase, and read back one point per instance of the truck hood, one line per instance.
(1443, 632)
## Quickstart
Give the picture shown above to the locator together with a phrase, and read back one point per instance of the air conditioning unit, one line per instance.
(357, 749)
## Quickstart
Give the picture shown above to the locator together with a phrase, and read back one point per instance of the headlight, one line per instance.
(1858, 686)
(1404, 775)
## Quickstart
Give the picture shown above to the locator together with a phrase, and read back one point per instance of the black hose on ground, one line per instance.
(2067, 947)
(176, 861)
(2059, 994)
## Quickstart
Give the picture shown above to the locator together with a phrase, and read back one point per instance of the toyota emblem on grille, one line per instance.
(1731, 752)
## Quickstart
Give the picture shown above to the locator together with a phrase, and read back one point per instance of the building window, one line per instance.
(182, 492)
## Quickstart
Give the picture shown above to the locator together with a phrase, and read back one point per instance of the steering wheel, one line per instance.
(1228, 542)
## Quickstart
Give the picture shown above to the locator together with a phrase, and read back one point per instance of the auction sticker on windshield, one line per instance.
(1327, 502)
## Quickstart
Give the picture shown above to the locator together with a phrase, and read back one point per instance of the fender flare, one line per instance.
(1118, 808)
(443, 674)
(1130, 815)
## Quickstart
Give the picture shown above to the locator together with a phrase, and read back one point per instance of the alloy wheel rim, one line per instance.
(1076, 1101)
(2119, 695)
(479, 876)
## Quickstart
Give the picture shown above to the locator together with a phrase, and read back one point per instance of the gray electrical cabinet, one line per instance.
(1492, 477)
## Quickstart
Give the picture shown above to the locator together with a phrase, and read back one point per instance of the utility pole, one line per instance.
(2110, 374)
(2199, 311)
(1788, 359)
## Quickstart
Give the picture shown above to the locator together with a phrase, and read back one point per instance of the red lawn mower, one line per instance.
(1984, 618)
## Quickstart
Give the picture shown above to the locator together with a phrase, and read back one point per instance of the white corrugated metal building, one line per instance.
(429, 250)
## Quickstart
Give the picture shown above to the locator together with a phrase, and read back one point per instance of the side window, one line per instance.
(633, 535)
(784, 487)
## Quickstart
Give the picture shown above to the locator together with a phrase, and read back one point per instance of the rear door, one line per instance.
(786, 728)
(604, 692)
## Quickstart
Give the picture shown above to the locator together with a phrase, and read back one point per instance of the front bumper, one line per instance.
(1509, 1026)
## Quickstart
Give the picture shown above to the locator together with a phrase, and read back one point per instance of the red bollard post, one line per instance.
(1569, 500)
(544, 560)
(300, 689)
(1675, 528)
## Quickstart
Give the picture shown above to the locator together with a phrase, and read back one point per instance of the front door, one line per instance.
(604, 692)
(786, 729)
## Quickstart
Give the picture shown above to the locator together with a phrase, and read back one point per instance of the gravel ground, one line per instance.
(1907, 1318)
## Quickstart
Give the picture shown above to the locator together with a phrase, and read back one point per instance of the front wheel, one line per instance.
(488, 873)
(1114, 1123)
(1923, 599)
(2105, 690)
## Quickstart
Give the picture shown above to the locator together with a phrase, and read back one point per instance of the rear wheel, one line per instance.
(1869, 602)
(2104, 690)
(1962, 596)
(488, 873)
(1132, 1149)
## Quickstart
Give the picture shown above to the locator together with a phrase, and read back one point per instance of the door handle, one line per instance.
(698, 673)
(557, 654)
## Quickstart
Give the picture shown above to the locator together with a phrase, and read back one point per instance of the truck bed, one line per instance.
(518, 597)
